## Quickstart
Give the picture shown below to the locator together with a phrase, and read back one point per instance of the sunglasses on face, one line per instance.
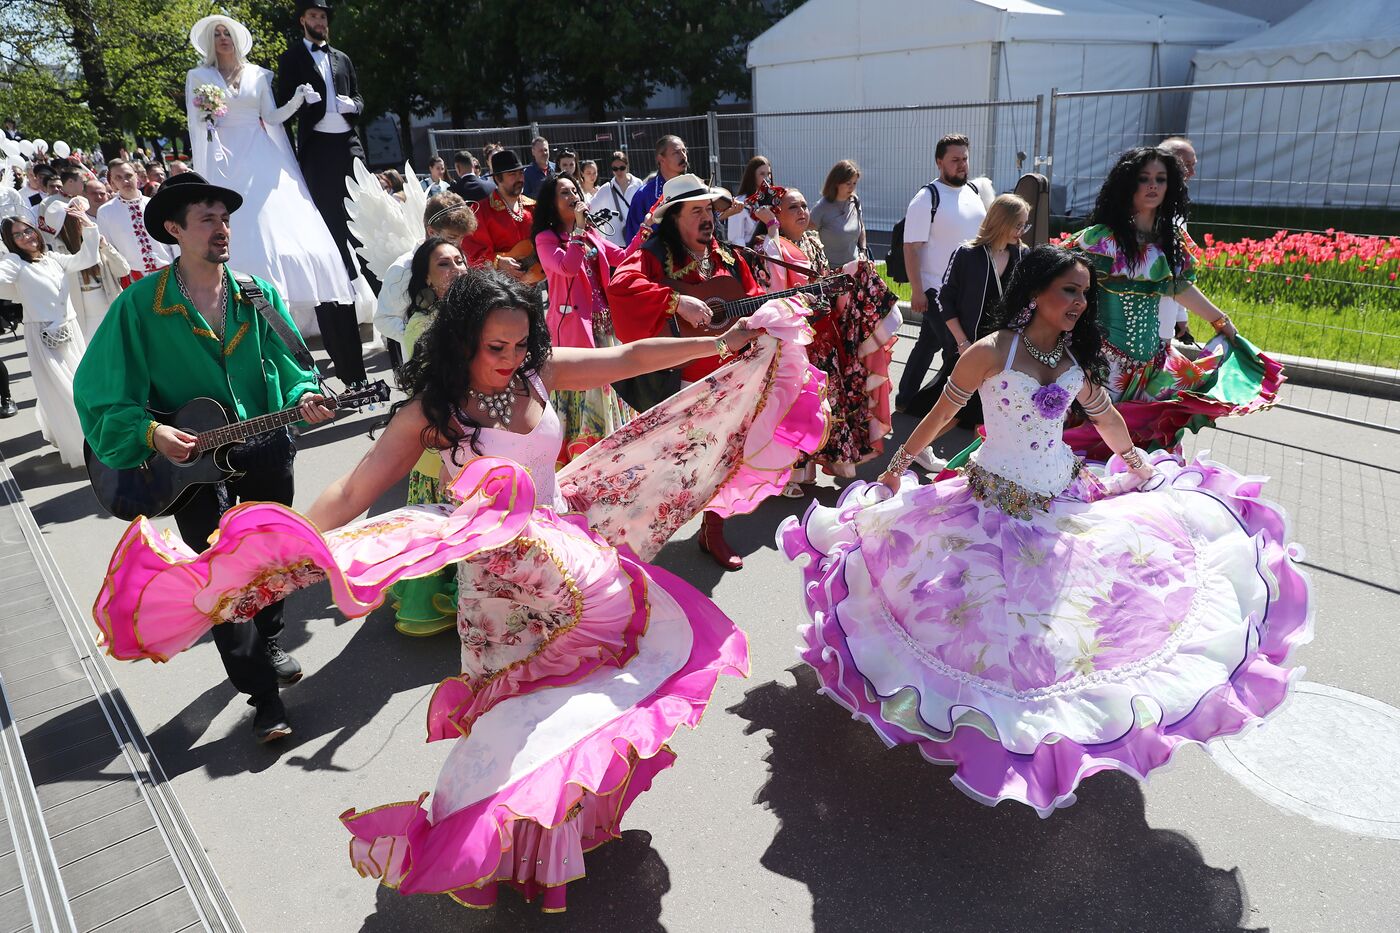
(619, 168)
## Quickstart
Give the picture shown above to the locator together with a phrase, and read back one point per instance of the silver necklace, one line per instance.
(1051, 359)
(701, 259)
(499, 405)
(218, 327)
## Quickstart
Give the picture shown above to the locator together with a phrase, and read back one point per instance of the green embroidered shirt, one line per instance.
(155, 350)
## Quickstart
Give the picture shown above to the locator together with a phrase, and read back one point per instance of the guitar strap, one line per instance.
(288, 335)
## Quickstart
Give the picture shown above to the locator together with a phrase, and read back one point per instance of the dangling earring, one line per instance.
(1024, 317)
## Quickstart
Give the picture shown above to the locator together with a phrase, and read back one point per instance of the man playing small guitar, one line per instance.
(503, 223)
(184, 332)
(681, 249)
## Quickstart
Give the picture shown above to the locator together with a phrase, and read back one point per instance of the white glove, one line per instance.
(309, 94)
(347, 105)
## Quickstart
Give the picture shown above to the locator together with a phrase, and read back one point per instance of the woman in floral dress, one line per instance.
(854, 343)
(1032, 620)
(579, 660)
(1142, 254)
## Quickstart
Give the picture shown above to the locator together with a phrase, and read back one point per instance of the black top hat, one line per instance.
(186, 188)
(503, 161)
(304, 5)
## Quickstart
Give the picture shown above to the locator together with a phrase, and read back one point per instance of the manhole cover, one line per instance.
(1329, 754)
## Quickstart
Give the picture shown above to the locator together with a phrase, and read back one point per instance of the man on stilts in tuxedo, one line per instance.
(327, 145)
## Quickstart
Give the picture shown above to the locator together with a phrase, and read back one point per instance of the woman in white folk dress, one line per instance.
(53, 340)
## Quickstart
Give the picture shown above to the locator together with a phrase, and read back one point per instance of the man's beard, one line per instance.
(706, 233)
(217, 255)
(316, 33)
(955, 181)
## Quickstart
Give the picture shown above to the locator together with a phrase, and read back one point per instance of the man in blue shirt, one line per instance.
(671, 160)
(540, 169)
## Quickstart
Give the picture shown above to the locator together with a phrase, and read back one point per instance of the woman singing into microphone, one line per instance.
(578, 261)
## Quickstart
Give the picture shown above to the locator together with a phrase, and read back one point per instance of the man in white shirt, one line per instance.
(617, 196)
(1171, 316)
(122, 221)
(943, 215)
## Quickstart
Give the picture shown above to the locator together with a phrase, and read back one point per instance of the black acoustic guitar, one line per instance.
(728, 301)
(160, 485)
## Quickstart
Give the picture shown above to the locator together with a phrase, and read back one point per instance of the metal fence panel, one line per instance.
(893, 146)
(447, 143)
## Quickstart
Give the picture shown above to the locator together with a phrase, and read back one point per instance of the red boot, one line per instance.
(712, 542)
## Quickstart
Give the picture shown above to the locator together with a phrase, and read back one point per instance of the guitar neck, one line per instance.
(732, 310)
(252, 427)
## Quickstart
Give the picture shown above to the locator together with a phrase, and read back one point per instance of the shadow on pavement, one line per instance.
(883, 840)
(626, 881)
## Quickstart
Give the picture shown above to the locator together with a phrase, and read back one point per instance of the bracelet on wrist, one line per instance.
(900, 462)
(723, 349)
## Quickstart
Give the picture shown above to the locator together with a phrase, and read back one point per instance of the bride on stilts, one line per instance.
(238, 141)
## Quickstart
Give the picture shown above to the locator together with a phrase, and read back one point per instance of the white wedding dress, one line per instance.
(277, 235)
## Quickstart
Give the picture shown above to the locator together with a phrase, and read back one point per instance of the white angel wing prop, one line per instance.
(378, 221)
(415, 201)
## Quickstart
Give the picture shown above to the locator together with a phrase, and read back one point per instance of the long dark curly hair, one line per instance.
(1035, 273)
(1114, 207)
(439, 374)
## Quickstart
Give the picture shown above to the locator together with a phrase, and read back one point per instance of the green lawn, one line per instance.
(1353, 334)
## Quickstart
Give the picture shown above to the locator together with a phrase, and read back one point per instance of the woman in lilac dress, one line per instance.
(1030, 619)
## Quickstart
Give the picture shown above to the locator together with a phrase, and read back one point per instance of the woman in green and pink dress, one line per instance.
(1141, 252)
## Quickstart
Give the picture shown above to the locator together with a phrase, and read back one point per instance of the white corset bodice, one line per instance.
(537, 451)
(1025, 427)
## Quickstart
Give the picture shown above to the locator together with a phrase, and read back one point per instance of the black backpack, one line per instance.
(894, 259)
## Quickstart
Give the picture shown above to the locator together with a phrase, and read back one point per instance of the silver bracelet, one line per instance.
(1132, 457)
(956, 394)
(899, 463)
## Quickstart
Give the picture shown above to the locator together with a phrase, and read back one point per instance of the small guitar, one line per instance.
(727, 300)
(159, 486)
(524, 253)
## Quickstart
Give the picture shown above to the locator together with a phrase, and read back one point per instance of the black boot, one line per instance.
(8, 409)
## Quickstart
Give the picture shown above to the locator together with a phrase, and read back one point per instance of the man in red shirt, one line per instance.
(503, 221)
(682, 247)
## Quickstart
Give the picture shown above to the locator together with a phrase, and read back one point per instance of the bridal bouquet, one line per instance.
(209, 98)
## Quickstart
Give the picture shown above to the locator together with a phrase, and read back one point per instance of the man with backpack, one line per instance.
(944, 214)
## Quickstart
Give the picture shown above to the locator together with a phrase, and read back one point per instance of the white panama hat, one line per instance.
(202, 35)
(685, 188)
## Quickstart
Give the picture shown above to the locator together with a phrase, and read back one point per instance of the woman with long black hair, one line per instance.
(1139, 247)
(1033, 620)
(579, 659)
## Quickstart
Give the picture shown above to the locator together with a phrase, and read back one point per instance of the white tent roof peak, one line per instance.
(1338, 29)
(824, 29)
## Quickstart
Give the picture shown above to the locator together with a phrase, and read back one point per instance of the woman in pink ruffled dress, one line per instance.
(1030, 620)
(578, 660)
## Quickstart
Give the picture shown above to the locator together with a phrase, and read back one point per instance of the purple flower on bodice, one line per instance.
(1051, 401)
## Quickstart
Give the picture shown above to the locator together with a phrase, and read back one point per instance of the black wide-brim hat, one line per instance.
(175, 193)
(504, 161)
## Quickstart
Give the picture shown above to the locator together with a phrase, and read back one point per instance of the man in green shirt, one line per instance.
(186, 332)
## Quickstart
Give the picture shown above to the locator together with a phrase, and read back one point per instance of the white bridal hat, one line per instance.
(202, 35)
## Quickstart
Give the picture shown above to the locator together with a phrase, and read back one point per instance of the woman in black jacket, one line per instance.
(973, 283)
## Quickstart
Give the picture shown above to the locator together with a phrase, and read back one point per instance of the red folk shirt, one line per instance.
(496, 230)
(642, 304)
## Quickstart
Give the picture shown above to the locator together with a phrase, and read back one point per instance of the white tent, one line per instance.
(838, 54)
(1314, 146)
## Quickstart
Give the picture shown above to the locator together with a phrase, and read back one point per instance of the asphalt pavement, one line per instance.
(782, 813)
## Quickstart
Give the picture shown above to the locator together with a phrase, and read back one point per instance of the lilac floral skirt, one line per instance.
(1102, 632)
